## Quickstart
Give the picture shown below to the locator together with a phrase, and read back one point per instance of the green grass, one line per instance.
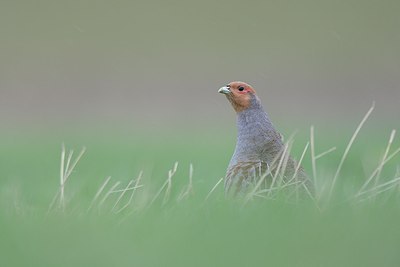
(169, 230)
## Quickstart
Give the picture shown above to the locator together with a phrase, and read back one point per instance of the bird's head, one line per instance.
(240, 95)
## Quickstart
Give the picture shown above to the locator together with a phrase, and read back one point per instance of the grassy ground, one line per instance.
(177, 229)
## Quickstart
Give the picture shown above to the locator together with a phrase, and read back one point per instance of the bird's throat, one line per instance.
(254, 132)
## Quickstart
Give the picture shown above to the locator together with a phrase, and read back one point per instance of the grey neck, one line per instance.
(255, 131)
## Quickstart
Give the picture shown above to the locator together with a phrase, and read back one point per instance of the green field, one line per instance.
(135, 83)
(177, 229)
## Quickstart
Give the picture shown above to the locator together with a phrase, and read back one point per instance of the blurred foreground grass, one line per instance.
(174, 231)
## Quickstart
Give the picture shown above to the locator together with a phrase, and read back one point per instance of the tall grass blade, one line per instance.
(348, 149)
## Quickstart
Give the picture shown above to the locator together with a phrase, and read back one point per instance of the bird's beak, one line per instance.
(224, 90)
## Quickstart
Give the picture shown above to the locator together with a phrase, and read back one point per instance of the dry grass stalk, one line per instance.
(348, 149)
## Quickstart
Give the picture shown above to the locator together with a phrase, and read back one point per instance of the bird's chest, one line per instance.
(251, 147)
(259, 144)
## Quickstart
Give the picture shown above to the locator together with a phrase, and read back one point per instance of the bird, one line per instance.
(260, 152)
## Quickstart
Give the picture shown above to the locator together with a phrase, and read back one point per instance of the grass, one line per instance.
(135, 200)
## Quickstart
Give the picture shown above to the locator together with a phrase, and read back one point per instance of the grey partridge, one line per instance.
(259, 148)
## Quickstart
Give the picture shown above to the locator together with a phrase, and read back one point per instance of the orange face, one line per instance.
(239, 94)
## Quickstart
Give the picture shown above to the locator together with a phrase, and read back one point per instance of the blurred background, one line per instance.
(159, 64)
(136, 83)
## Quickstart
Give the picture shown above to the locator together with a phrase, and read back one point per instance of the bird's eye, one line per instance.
(241, 88)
